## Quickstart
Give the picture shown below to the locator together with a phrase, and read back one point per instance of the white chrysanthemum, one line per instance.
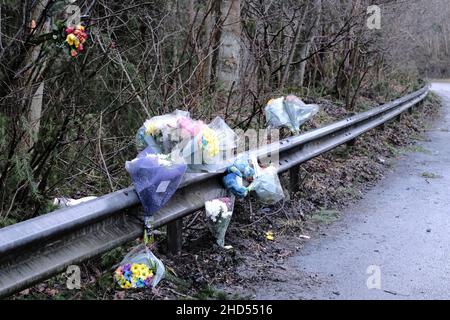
(226, 214)
(163, 159)
(216, 209)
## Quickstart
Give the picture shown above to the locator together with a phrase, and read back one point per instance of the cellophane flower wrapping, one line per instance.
(148, 142)
(289, 112)
(298, 111)
(204, 147)
(276, 115)
(266, 184)
(139, 269)
(211, 148)
(218, 216)
(161, 133)
(155, 177)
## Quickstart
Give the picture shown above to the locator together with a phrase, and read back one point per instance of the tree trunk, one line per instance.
(229, 55)
(37, 96)
(293, 47)
(304, 51)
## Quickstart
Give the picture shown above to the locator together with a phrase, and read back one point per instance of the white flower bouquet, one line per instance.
(218, 217)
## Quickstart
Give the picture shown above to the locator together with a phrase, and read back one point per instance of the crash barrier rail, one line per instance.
(38, 248)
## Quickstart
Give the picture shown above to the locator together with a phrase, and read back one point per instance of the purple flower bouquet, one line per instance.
(155, 177)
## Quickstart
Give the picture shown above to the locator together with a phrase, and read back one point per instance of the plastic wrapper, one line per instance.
(161, 132)
(144, 141)
(140, 139)
(204, 147)
(139, 269)
(276, 115)
(189, 128)
(289, 112)
(228, 139)
(218, 216)
(155, 177)
(211, 148)
(266, 184)
(298, 111)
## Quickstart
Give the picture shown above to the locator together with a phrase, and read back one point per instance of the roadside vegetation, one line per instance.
(68, 121)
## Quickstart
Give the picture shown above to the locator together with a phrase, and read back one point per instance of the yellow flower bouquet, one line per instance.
(203, 147)
(139, 269)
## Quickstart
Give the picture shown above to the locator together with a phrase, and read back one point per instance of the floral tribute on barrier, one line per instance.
(174, 144)
(289, 112)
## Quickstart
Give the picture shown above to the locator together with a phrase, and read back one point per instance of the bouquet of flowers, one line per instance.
(76, 37)
(289, 112)
(218, 216)
(210, 147)
(190, 128)
(203, 147)
(156, 177)
(161, 133)
(139, 269)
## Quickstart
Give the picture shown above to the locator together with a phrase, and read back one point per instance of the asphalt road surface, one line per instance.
(393, 244)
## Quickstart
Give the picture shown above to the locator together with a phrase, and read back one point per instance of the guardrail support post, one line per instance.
(351, 143)
(294, 173)
(174, 236)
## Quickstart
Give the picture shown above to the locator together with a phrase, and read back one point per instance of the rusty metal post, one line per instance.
(174, 236)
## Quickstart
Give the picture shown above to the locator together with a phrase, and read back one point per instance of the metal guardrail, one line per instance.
(36, 249)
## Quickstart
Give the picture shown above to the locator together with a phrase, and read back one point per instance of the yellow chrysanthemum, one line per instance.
(212, 142)
(145, 272)
(144, 275)
(213, 150)
(144, 268)
(71, 39)
(123, 282)
(127, 285)
(151, 129)
(135, 268)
